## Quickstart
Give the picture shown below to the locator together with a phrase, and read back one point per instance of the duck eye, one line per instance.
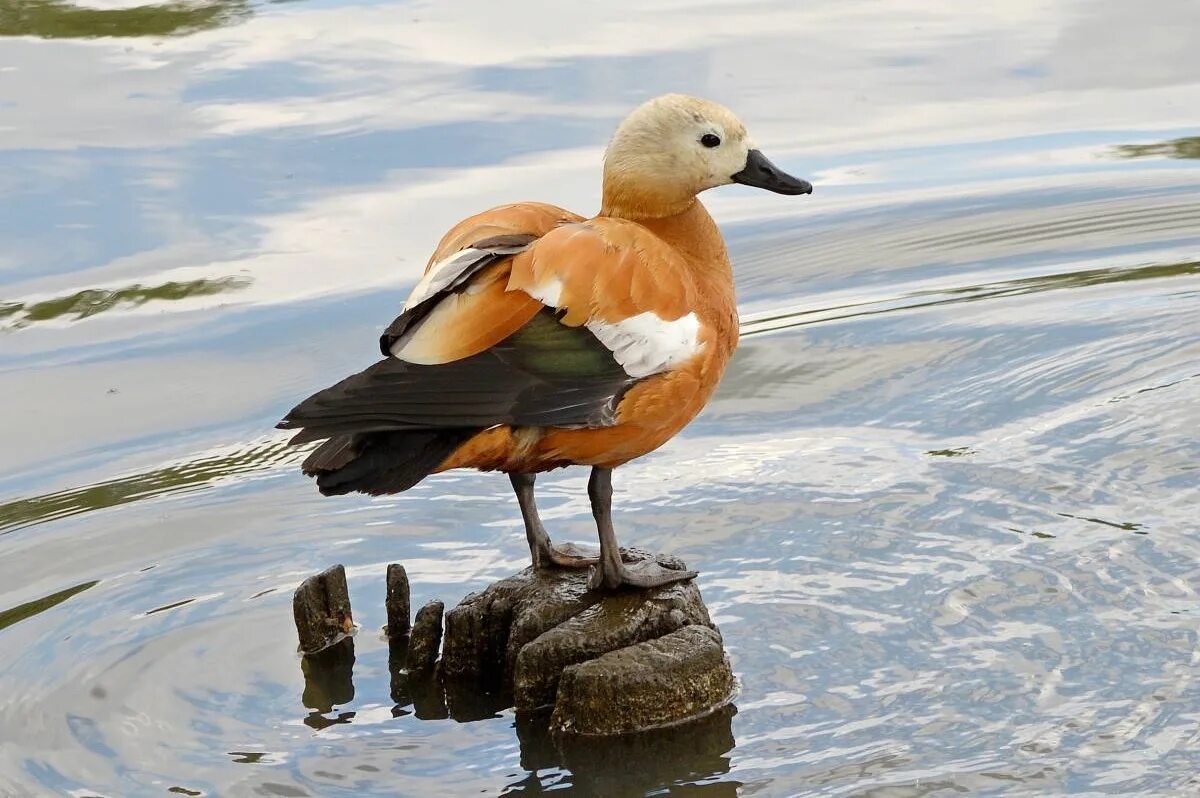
(710, 140)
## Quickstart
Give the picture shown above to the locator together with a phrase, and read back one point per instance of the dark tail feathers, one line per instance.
(381, 462)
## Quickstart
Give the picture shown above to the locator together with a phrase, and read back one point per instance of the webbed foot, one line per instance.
(640, 575)
(567, 555)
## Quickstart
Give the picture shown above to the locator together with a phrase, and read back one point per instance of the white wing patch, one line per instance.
(646, 344)
(548, 293)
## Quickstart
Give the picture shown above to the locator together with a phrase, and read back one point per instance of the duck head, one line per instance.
(671, 148)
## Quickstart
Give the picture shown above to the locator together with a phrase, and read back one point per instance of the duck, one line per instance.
(539, 339)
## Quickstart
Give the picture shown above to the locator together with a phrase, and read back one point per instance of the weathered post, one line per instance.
(397, 601)
(321, 607)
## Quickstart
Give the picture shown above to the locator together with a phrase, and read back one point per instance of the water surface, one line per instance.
(943, 505)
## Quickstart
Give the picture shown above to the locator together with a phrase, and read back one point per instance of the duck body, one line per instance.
(538, 339)
(676, 269)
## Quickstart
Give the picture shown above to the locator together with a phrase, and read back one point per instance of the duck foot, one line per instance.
(572, 555)
(568, 555)
(641, 574)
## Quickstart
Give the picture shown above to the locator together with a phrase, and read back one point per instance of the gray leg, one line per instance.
(611, 572)
(607, 574)
(544, 553)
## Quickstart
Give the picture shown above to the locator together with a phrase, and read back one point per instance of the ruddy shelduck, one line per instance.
(539, 339)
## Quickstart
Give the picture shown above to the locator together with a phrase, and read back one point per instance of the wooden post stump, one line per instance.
(426, 638)
(321, 606)
(397, 602)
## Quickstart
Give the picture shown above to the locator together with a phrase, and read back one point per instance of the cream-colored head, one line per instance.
(671, 148)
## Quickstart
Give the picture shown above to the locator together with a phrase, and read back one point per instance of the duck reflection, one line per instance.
(685, 758)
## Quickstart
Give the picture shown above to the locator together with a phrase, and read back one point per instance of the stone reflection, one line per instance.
(55, 19)
(413, 694)
(328, 682)
(684, 759)
(676, 758)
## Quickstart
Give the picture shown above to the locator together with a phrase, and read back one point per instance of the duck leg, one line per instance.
(611, 572)
(544, 553)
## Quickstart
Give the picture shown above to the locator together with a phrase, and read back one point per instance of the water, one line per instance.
(943, 505)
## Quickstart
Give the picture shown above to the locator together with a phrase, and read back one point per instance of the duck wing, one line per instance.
(545, 332)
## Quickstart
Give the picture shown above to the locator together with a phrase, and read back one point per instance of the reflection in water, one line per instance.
(328, 682)
(424, 694)
(29, 609)
(783, 319)
(680, 758)
(91, 301)
(168, 607)
(55, 19)
(196, 473)
(265, 454)
(1186, 147)
(1128, 526)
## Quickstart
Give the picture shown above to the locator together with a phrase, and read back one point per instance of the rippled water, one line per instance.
(944, 505)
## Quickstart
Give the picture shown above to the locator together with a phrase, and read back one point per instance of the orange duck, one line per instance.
(538, 339)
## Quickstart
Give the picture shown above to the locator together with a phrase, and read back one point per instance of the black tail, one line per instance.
(381, 462)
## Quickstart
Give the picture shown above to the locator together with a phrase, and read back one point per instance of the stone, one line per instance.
(321, 608)
(487, 630)
(680, 676)
(397, 601)
(541, 610)
(477, 632)
(618, 620)
(425, 638)
(607, 664)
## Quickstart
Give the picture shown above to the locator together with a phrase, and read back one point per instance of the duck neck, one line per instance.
(694, 234)
(639, 201)
(677, 218)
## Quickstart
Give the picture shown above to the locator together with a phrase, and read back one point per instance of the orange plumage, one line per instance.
(612, 269)
(538, 339)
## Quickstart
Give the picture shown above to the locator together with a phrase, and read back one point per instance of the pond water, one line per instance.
(944, 505)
